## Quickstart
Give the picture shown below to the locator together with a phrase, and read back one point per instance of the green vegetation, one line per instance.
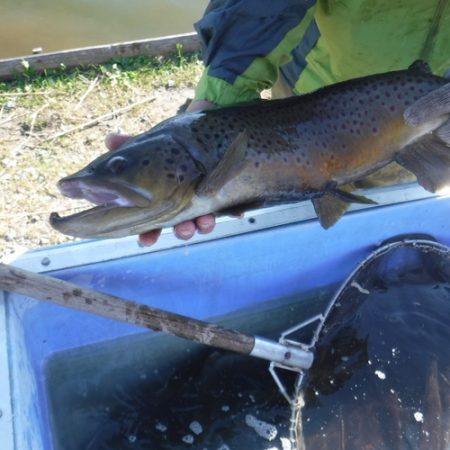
(178, 68)
(55, 122)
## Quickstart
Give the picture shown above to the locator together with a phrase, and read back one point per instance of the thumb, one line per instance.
(114, 140)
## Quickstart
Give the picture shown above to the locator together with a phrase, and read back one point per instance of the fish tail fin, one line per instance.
(429, 160)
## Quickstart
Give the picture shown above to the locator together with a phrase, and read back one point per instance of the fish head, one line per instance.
(150, 178)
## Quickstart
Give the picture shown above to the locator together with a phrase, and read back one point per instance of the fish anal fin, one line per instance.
(228, 167)
(332, 205)
(349, 197)
(329, 209)
(429, 160)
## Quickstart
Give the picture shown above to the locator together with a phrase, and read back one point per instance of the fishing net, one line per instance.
(381, 374)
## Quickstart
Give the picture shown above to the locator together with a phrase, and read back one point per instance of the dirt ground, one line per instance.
(47, 133)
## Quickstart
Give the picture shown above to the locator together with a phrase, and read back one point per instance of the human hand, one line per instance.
(185, 230)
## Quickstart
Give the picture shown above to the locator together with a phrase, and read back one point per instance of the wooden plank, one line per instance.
(162, 46)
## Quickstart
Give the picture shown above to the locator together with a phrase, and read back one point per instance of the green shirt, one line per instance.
(323, 42)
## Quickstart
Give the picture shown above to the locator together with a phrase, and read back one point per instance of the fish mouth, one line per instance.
(105, 194)
(111, 221)
(116, 204)
(121, 210)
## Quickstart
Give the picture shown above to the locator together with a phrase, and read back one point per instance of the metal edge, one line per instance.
(6, 414)
(81, 253)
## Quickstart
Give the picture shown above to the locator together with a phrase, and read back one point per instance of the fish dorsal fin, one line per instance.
(228, 167)
(420, 66)
(331, 206)
(429, 160)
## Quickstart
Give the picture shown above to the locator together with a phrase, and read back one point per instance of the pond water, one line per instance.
(127, 394)
(61, 24)
(379, 380)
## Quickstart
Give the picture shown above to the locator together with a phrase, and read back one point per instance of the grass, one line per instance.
(117, 70)
(53, 123)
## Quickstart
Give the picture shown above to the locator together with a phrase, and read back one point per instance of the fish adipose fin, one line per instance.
(420, 66)
(227, 168)
(332, 205)
(429, 160)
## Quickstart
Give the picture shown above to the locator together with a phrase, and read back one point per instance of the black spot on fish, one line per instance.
(171, 176)
(145, 162)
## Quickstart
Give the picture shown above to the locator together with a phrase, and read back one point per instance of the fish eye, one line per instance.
(117, 165)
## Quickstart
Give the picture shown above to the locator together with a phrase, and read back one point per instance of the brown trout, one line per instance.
(262, 154)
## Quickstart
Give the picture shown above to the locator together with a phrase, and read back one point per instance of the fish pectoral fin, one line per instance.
(228, 167)
(443, 132)
(429, 160)
(432, 105)
(240, 209)
(329, 209)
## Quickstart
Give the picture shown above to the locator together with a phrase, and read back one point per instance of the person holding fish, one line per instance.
(298, 46)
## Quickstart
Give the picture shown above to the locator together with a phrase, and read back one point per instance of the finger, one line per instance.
(185, 230)
(200, 105)
(149, 238)
(205, 224)
(114, 140)
(429, 107)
